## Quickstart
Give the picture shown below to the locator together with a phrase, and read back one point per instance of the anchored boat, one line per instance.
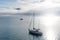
(34, 31)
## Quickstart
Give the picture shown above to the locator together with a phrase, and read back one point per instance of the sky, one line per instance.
(6, 5)
(25, 5)
(6, 2)
(10, 5)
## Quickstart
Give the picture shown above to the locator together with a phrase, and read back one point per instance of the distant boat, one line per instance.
(21, 18)
(34, 31)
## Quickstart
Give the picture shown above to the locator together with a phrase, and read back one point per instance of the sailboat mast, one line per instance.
(33, 19)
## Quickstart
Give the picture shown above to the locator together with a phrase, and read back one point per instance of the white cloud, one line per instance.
(26, 5)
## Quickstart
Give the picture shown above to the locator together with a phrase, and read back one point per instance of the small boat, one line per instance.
(21, 18)
(35, 32)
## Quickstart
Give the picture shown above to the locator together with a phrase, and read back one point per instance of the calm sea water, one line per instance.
(12, 28)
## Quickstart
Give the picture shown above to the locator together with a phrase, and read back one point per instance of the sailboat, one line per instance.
(34, 31)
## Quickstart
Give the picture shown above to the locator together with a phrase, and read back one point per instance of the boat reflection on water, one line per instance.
(35, 37)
